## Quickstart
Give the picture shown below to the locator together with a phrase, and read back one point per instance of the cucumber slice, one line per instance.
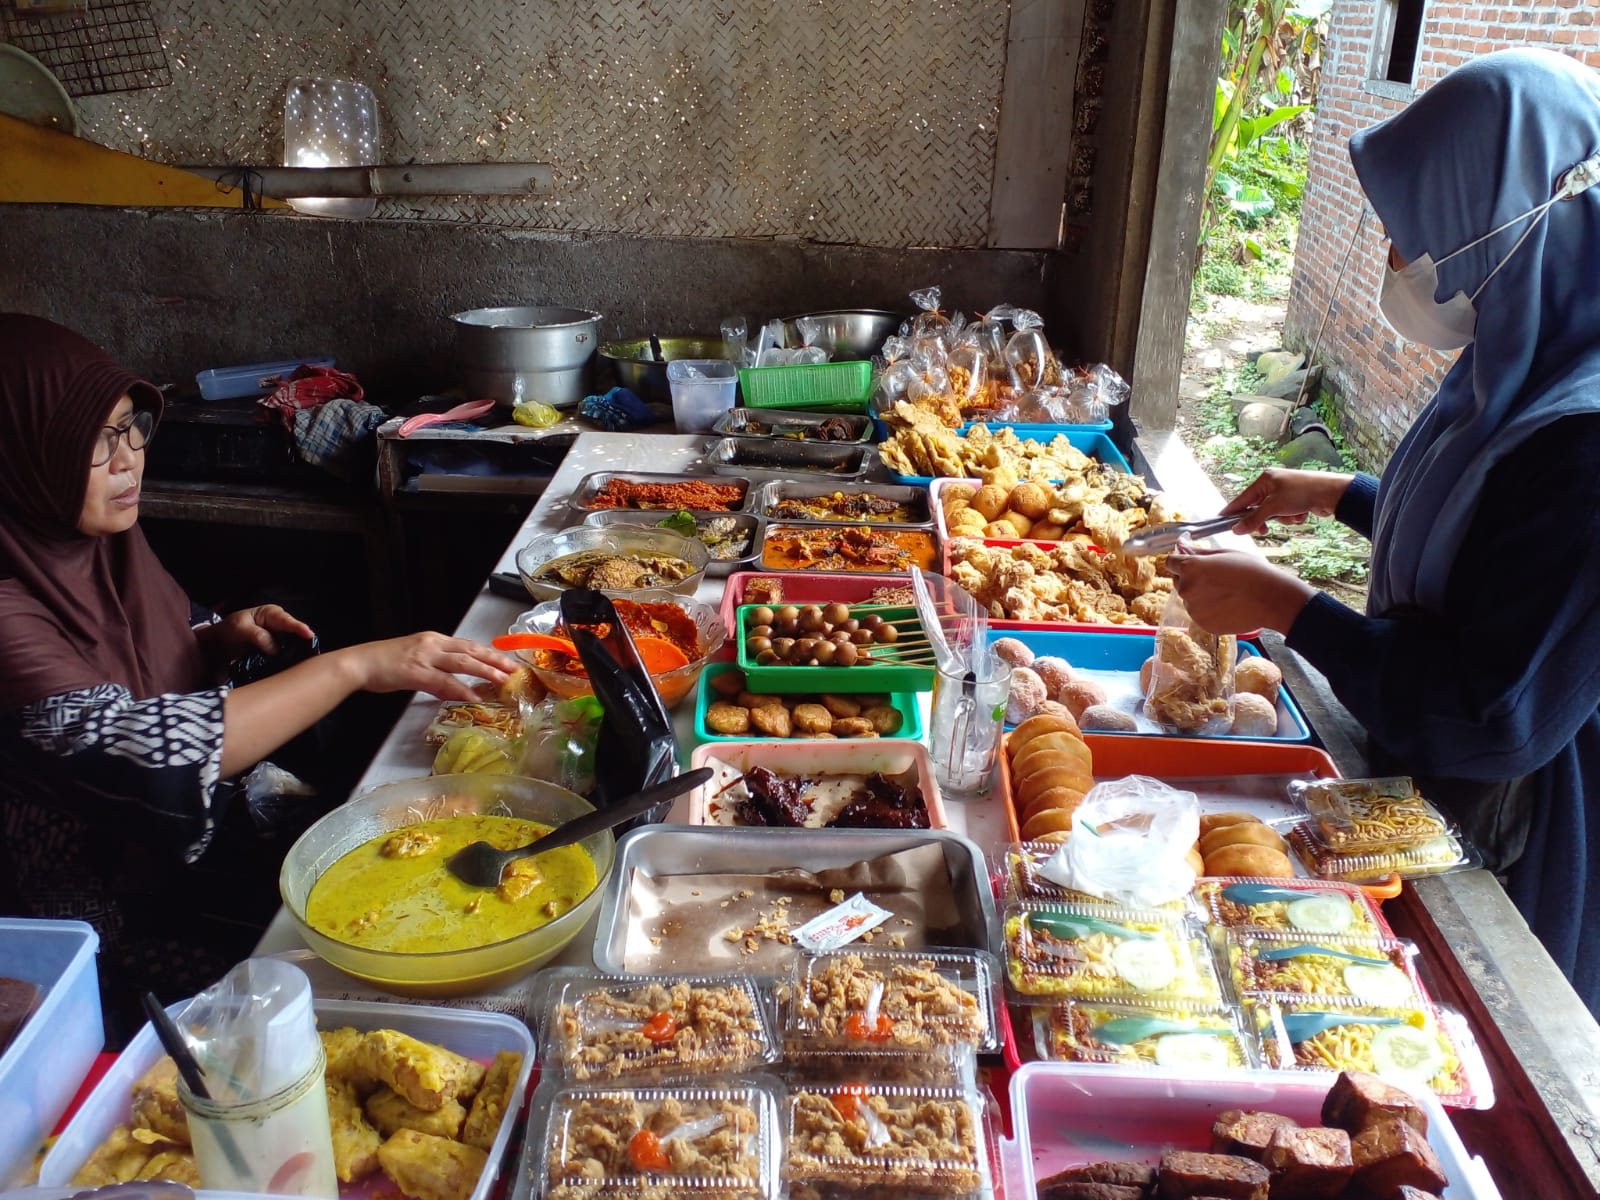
(1193, 1050)
(1148, 966)
(1386, 985)
(1321, 914)
(1407, 1053)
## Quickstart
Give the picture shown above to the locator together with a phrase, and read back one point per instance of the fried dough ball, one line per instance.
(1253, 716)
(1079, 694)
(1051, 747)
(1047, 531)
(1105, 716)
(1018, 521)
(1210, 821)
(1245, 833)
(1013, 651)
(990, 500)
(1054, 708)
(729, 683)
(813, 718)
(1054, 671)
(772, 720)
(969, 522)
(1032, 499)
(1027, 693)
(1000, 529)
(725, 718)
(1258, 676)
(1050, 820)
(853, 727)
(959, 491)
(886, 720)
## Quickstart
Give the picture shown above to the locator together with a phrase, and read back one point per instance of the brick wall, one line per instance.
(1379, 382)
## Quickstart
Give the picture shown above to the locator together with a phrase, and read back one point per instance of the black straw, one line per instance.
(172, 1041)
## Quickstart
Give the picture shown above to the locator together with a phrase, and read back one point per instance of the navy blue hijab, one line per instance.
(1487, 143)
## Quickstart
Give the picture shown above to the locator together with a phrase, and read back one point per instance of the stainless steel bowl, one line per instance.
(527, 353)
(848, 334)
(643, 375)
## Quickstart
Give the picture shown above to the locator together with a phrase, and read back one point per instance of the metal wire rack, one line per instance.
(100, 46)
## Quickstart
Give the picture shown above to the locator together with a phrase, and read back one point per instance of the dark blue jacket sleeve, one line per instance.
(1494, 686)
(1358, 507)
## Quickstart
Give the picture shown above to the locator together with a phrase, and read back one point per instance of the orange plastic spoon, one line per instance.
(658, 654)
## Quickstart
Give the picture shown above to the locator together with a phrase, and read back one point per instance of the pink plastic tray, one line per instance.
(801, 587)
(816, 758)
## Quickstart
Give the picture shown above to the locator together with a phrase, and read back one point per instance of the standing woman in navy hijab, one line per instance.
(1476, 667)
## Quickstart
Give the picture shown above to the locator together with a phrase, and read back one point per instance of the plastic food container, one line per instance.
(599, 1028)
(904, 703)
(903, 1140)
(1177, 1037)
(1370, 816)
(1102, 952)
(885, 673)
(910, 1001)
(1089, 441)
(1364, 970)
(1315, 908)
(808, 587)
(822, 387)
(779, 458)
(252, 379)
(623, 539)
(478, 1035)
(729, 1133)
(1068, 1114)
(826, 542)
(809, 759)
(702, 390)
(54, 1047)
(1024, 881)
(1438, 857)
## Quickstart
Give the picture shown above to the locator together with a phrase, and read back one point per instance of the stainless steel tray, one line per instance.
(694, 849)
(780, 458)
(915, 498)
(593, 483)
(773, 524)
(755, 526)
(759, 422)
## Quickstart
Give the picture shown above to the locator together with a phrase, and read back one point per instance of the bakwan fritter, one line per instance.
(395, 1104)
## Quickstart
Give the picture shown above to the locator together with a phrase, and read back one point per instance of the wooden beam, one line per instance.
(1035, 139)
(1173, 219)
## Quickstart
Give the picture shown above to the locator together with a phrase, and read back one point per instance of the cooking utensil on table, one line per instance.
(847, 334)
(481, 864)
(527, 352)
(470, 411)
(1159, 539)
(640, 364)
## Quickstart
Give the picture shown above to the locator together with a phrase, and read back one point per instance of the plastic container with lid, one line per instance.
(903, 1000)
(56, 1044)
(1025, 882)
(1310, 907)
(619, 1142)
(947, 1066)
(1441, 856)
(253, 379)
(1180, 1037)
(597, 1027)
(703, 389)
(1102, 952)
(890, 1140)
(1369, 816)
(1368, 970)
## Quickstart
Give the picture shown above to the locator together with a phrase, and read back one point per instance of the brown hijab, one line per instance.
(75, 611)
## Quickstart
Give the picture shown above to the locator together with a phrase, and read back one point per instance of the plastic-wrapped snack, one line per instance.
(1187, 1038)
(930, 323)
(867, 1139)
(456, 715)
(1359, 816)
(559, 742)
(475, 750)
(1437, 857)
(1303, 906)
(1029, 355)
(905, 1000)
(1367, 970)
(600, 1027)
(1107, 953)
(967, 372)
(950, 1066)
(1191, 680)
(1025, 882)
(697, 1143)
(1408, 1046)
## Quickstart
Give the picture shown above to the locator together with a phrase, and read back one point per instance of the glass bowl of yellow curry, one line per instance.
(369, 891)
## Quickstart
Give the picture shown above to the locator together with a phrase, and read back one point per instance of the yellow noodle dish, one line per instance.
(394, 892)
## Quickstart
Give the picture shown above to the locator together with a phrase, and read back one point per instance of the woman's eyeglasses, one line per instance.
(137, 430)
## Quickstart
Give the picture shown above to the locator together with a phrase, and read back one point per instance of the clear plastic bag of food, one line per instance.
(968, 374)
(1130, 841)
(1026, 881)
(1311, 907)
(1029, 354)
(1347, 967)
(1191, 681)
(906, 1000)
(456, 715)
(1173, 1037)
(930, 324)
(1102, 952)
(1092, 392)
(735, 341)
(477, 750)
(1357, 816)
(559, 738)
(1440, 856)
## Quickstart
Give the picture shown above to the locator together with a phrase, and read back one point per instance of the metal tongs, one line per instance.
(1159, 539)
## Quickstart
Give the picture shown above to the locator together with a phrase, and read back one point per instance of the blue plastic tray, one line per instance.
(1124, 654)
(238, 383)
(1034, 432)
(1092, 442)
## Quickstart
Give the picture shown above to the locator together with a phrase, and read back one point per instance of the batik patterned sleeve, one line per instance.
(163, 753)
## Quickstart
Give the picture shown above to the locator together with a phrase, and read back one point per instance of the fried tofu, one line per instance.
(155, 1103)
(1390, 1154)
(425, 1075)
(390, 1113)
(1308, 1164)
(493, 1101)
(355, 1141)
(431, 1168)
(1356, 1099)
(347, 1057)
(1246, 1133)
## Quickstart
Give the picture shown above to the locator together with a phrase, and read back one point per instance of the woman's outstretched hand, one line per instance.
(1287, 496)
(426, 662)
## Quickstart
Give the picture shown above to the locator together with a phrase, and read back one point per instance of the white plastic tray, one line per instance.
(1066, 1114)
(475, 1034)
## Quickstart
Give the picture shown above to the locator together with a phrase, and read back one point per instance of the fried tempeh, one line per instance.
(493, 1101)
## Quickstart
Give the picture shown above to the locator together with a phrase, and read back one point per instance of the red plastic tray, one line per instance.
(804, 587)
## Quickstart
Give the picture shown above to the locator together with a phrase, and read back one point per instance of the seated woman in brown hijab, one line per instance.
(116, 738)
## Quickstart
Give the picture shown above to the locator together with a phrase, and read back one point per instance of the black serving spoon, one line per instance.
(480, 864)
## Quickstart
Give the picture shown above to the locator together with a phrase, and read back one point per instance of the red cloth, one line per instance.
(311, 387)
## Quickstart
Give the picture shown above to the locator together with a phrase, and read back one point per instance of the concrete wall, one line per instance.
(1381, 382)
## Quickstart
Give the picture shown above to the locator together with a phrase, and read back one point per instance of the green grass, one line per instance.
(1324, 551)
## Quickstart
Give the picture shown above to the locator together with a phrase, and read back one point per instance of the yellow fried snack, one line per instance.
(155, 1103)
(355, 1141)
(175, 1165)
(493, 1100)
(347, 1059)
(431, 1168)
(390, 1113)
(116, 1160)
(425, 1075)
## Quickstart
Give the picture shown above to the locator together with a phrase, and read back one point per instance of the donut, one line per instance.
(1068, 747)
(1245, 833)
(1051, 820)
(1194, 862)
(1053, 777)
(1034, 726)
(1210, 821)
(1067, 798)
(1250, 860)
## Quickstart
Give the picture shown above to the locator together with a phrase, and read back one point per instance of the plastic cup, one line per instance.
(702, 390)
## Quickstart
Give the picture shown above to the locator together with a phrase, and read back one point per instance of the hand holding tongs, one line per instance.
(1159, 539)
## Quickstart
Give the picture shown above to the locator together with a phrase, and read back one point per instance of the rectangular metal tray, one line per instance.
(690, 849)
(776, 458)
(590, 485)
(737, 422)
(757, 527)
(915, 498)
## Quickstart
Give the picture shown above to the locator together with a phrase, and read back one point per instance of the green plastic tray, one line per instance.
(878, 677)
(905, 703)
(825, 387)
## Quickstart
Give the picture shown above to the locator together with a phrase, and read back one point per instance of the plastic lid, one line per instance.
(1107, 953)
(601, 1027)
(1437, 857)
(906, 1001)
(1354, 816)
(911, 1141)
(1173, 1037)
(662, 1141)
(1025, 882)
(1368, 970)
(1316, 907)
(253, 1032)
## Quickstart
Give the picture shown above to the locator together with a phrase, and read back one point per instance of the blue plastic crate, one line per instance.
(1092, 442)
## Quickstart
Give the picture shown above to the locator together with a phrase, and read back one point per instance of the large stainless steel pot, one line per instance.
(646, 378)
(527, 353)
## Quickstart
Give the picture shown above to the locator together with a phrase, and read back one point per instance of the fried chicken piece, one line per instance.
(431, 1168)
(355, 1141)
(408, 843)
(425, 1075)
(390, 1113)
(518, 879)
(494, 1099)
(155, 1103)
